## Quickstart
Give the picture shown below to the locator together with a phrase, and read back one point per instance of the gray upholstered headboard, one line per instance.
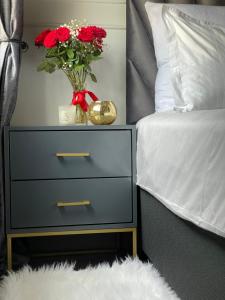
(141, 64)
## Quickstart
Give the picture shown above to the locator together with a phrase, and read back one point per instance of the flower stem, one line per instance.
(76, 78)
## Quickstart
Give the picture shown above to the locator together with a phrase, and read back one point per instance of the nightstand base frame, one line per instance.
(12, 236)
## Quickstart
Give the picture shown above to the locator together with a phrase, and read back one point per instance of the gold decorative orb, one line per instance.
(102, 112)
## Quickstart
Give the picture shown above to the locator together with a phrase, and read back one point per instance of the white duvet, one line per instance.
(181, 161)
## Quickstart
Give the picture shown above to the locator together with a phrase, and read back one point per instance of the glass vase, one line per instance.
(80, 116)
(77, 80)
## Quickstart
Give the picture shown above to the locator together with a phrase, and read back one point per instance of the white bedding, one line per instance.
(181, 161)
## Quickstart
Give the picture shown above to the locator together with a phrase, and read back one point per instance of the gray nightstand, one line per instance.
(70, 180)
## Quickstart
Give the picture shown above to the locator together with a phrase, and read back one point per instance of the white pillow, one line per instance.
(164, 96)
(197, 61)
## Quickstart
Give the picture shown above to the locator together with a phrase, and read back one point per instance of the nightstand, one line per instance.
(69, 181)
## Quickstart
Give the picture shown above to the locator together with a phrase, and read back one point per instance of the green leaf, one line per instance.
(91, 57)
(78, 67)
(50, 68)
(42, 66)
(52, 52)
(88, 68)
(96, 57)
(55, 61)
(62, 52)
(70, 53)
(47, 66)
(93, 78)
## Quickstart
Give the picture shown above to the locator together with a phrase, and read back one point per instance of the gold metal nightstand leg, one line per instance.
(63, 233)
(9, 253)
(134, 241)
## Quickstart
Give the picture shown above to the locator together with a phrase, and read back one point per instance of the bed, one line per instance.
(187, 253)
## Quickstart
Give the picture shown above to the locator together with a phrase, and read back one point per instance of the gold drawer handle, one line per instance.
(78, 203)
(81, 154)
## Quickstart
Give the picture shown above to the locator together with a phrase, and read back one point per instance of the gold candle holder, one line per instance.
(102, 112)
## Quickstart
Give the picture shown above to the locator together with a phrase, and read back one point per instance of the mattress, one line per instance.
(180, 161)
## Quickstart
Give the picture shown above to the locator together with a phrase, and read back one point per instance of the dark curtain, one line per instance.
(11, 27)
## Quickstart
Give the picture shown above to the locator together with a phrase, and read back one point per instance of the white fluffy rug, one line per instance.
(129, 280)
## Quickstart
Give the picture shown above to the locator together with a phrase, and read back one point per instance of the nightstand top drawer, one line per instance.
(44, 203)
(70, 154)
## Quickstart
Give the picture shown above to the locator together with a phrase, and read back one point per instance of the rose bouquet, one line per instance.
(72, 48)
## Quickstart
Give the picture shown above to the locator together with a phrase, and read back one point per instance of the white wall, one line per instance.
(40, 94)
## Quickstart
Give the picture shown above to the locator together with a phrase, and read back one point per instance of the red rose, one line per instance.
(51, 39)
(90, 33)
(40, 38)
(99, 32)
(86, 34)
(63, 34)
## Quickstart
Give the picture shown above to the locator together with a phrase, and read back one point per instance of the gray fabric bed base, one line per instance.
(191, 259)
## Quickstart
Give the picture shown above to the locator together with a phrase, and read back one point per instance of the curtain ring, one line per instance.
(24, 46)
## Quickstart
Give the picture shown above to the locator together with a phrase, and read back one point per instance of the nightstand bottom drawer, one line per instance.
(45, 203)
